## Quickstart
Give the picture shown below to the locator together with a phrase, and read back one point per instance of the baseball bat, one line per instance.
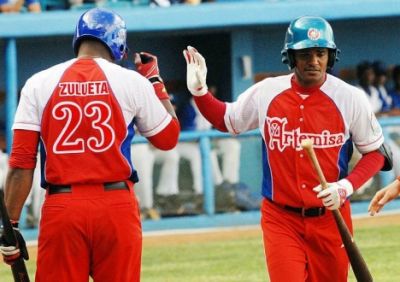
(357, 262)
(18, 268)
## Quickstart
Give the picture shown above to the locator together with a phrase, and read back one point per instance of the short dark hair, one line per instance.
(362, 68)
(379, 68)
(395, 72)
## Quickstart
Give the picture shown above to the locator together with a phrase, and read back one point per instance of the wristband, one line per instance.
(14, 223)
(156, 79)
(160, 90)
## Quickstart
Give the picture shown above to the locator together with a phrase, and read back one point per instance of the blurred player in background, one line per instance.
(16, 6)
(35, 199)
(301, 239)
(3, 156)
(83, 111)
(144, 157)
(391, 191)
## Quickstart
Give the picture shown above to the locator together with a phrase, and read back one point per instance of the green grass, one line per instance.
(222, 260)
(380, 247)
(242, 259)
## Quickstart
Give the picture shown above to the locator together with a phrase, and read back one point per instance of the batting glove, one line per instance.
(147, 65)
(12, 253)
(335, 194)
(196, 72)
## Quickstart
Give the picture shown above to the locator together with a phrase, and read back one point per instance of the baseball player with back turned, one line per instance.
(301, 239)
(83, 111)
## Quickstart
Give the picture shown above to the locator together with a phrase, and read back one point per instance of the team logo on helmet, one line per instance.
(313, 34)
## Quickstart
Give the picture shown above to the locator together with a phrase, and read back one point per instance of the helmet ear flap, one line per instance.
(288, 58)
(291, 61)
(333, 57)
(285, 59)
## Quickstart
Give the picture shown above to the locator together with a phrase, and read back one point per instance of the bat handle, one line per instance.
(19, 271)
(308, 147)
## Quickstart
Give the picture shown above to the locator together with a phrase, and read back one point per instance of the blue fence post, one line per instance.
(208, 187)
(11, 99)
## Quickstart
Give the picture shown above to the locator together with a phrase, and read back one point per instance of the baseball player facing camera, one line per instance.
(83, 111)
(301, 239)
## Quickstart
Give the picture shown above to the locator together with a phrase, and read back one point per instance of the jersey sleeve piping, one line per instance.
(159, 127)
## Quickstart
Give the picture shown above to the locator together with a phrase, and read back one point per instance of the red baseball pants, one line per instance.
(90, 231)
(302, 249)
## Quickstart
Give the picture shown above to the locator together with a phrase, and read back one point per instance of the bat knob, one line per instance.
(307, 144)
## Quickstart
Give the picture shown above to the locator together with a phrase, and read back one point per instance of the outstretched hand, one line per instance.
(196, 72)
(383, 196)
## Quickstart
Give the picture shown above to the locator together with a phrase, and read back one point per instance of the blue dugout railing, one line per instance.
(204, 139)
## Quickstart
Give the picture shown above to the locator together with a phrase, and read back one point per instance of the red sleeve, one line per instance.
(369, 165)
(168, 137)
(24, 149)
(213, 110)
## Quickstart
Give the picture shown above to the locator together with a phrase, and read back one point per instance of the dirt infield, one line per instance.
(202, 236)
(377, 220)
(253, 231)
(170, 238)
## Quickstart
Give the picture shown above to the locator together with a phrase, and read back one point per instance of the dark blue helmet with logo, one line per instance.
(105, 26)
(309, 32)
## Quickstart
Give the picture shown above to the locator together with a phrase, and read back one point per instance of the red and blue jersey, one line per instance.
(334, 116)
(84, 110)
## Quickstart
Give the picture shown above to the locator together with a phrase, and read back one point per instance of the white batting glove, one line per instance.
(335, 195)
(196, 72)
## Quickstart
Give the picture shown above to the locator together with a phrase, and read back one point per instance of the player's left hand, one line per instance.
(147, 65)
(335, 194)
(12, 253)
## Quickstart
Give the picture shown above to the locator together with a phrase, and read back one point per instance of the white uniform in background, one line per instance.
(3, 168)
(35, 198)
(227, 148)
(143, 160)
(169, 173)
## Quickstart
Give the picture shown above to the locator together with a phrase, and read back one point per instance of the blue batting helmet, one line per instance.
(309, 32)
(103, 25)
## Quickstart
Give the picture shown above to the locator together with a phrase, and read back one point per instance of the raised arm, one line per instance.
(210, 107)
(147, 65)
